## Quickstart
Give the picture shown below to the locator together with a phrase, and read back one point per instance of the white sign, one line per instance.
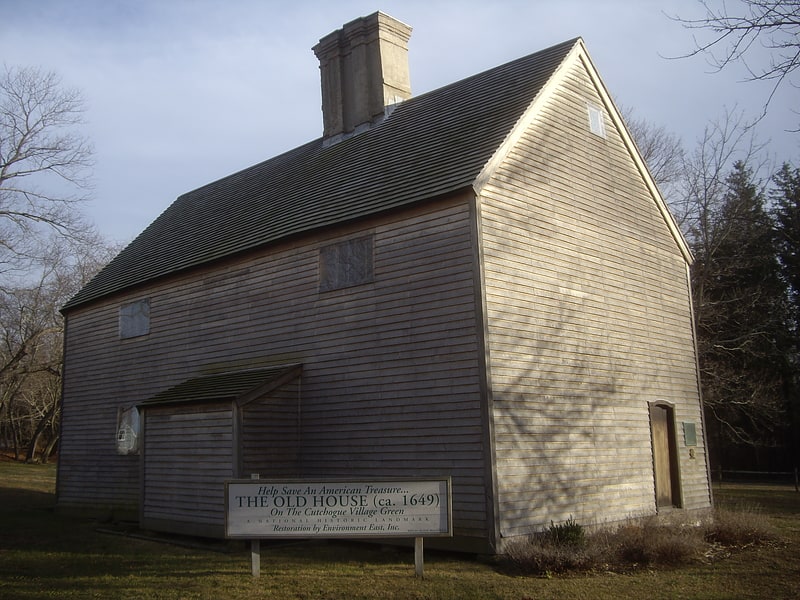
(291, 508)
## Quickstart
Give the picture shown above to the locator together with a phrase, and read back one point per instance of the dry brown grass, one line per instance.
(650, 542)
(740, 526)
(654, 542)
(46, 555)
(539, 555)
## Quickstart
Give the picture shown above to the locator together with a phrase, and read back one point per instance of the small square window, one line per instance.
(134, 319)
(596, 121)
(345, 264)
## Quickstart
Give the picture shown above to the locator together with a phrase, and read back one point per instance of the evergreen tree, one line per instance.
(786, 212)
(740, 301)
(786, 201)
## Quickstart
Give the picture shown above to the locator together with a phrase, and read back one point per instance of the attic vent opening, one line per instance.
(596, 122)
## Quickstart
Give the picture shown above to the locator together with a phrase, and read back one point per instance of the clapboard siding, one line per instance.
(270, 434)
(588, 320)
(188, 455)
(584, 321)
(390, 382)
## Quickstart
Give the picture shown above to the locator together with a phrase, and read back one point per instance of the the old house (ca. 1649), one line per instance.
(480, 282)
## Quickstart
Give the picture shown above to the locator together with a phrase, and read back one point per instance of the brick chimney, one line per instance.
(364, 68)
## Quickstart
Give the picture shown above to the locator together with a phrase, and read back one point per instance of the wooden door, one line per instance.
(664, 456)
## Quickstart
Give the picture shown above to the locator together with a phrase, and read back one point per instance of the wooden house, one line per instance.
(481, 282)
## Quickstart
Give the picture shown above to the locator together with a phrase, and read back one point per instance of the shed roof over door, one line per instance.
(239, 386)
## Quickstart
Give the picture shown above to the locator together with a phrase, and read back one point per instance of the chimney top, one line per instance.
(364, 70)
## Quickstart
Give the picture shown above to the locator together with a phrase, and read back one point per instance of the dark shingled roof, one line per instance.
(225, 386)
(432, 144)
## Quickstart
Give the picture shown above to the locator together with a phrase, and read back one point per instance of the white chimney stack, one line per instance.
(364, 68)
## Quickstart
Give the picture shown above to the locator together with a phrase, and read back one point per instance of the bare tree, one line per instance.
(30, 356)
(44, 163)
(47, 248)
(31, 331)
(664, 154)
(723, 143)
(739, 27)
(694, 182)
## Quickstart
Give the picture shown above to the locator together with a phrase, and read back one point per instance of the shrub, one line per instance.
(568, 533)
(558, 549)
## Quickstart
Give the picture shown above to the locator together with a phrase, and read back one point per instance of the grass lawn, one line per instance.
(45, 555)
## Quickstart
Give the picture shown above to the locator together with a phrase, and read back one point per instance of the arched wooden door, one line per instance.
(665, 456)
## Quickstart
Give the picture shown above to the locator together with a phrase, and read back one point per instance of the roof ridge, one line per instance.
(432, 144)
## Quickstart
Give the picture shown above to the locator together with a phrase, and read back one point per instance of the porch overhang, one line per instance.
(241, 387)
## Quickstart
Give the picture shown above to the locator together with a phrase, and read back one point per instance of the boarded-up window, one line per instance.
(345, 264)
(134, 319)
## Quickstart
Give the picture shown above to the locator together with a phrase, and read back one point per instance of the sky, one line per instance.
(180, 93)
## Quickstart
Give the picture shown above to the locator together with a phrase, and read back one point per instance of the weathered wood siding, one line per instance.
(588, 312)
(188, 454)
(270, 434)
(390, 383)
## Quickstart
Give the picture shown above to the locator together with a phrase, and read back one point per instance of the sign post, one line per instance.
(419, 561)
(293, 508)
(255, 548)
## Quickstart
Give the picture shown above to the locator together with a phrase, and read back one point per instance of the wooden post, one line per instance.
(419, 566)
(255, 549)
(255, 557)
